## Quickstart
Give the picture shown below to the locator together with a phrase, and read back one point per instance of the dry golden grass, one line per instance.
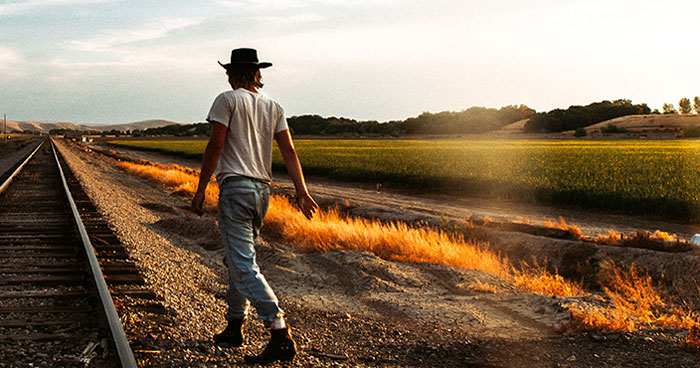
(662, 235)
(574, 230)
(396, 241)
(658, 241)
(641, 239)
(610, 238)
(635, 301)
(692, 342)
(541, 281)
(176, 178)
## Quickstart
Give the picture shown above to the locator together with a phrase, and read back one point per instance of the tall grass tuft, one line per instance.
(635, 303)
(574, 230)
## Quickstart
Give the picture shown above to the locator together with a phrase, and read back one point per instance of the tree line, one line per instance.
(470, 121)
(178, 130)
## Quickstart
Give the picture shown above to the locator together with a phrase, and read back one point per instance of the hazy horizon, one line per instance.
(102, 62)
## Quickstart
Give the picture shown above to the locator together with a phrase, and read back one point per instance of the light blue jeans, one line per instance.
(243, 204)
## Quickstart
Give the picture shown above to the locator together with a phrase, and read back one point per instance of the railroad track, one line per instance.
(60, 264)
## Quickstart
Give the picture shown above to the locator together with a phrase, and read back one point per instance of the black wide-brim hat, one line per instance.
(245, 58)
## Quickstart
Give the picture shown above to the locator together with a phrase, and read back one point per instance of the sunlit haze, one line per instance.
(117, 61)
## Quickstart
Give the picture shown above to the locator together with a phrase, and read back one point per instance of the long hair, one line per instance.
(245, 77)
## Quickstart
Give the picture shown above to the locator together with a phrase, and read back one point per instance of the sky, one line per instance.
(119, 61)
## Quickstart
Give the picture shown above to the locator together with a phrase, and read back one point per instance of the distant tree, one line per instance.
(691, 132)
(178, 130)
(696, 105)
(614, 129)
(684, 106)
(473, 120)
(574, 117)
(669, 109)
(656, 112)
(580, 132)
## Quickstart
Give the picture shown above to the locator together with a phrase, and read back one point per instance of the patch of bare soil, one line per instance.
(355, 309)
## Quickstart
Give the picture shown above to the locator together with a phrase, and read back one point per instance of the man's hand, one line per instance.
(197, 203)
(306, 205)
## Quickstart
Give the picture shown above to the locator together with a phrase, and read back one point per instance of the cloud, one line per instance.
(154, 29)
(11, 64)
(261, 5)
(147, 48)
(28, 5)
(286, 4)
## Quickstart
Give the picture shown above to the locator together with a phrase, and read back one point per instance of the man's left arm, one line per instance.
(209, 162)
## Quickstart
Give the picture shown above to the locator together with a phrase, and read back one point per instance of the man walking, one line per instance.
(243, 126)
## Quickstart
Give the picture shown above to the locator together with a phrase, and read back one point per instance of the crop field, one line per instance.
(641, 177)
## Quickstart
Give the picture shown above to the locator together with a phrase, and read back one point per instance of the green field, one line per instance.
(641, 177)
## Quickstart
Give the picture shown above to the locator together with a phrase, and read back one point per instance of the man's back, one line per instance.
(252, 120)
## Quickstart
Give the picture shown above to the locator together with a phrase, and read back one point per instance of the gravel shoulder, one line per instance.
(12, 151)
(346, 308)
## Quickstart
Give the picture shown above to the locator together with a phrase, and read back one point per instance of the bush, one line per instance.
(691, 132)
(574, 117)
(580, 132)
(614, 129)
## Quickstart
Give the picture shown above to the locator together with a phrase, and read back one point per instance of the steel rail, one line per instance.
(126, 355)
(9, 179)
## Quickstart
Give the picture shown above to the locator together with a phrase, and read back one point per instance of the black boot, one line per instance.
(280, 347)
(232, 336)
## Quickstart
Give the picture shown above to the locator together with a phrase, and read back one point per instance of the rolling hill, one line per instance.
(141, 125)
(649, 122)
(634, 124)
(45, 127)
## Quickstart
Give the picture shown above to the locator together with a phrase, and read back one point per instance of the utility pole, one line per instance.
(4, 132)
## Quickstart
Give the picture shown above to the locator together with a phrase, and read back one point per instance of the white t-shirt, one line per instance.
(252, 119)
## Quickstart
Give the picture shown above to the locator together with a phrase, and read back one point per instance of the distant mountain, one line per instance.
(45, 127)
(141, 125)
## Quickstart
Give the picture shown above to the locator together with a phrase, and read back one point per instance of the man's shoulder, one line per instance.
(243, 96)
(234, 93)
(270, 100)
